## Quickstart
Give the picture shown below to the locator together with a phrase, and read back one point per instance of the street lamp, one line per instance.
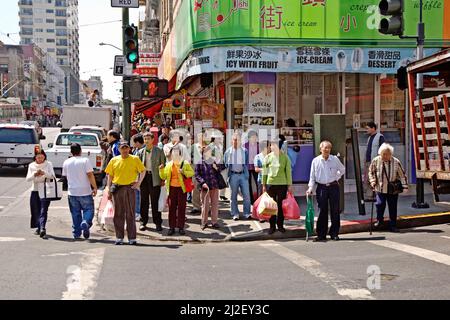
(108, 44)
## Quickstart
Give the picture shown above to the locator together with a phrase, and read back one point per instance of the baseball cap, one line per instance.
(124, 144)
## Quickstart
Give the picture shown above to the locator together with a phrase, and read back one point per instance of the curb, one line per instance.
(403, 222)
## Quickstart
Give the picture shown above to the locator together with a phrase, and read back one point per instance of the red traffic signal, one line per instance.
(155, 88)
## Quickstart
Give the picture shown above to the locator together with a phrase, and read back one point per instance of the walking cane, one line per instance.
(371, 212)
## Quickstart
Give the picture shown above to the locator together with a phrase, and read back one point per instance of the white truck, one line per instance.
(59, 151)
(80, 114)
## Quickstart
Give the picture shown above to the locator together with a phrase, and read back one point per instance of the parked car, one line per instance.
(18, 144)
(90, 145)
(37, 127)
(99, 131)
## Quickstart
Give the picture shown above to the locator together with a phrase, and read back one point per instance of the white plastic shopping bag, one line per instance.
(162, 203)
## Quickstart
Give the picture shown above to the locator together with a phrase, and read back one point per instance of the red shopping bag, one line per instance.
(291, 210)
(255, 214)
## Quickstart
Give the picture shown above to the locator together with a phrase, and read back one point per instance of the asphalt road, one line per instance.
(414, 264)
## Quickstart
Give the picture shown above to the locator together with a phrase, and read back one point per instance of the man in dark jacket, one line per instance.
(152, 157)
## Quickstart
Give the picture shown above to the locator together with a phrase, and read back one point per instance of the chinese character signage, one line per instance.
(209, 23)
(300, 59)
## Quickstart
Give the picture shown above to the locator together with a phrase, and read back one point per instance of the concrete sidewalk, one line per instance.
(250, 230)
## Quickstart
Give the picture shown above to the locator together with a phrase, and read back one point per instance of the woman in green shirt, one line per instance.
(277, 182)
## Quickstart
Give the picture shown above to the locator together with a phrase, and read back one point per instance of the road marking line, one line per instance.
(7, 239)
(445, 237)
(258, 225)
(423, 253)
(65, 254)
(7, 197)
(343, 287)
(83, 279)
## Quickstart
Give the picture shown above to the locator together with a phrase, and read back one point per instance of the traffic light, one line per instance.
(131, 44)
(392, 23)
(155, 88)
(402, 78)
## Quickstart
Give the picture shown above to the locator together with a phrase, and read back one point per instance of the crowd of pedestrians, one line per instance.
(161, 163)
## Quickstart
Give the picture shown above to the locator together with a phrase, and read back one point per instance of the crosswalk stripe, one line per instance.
(344, 287)
(423, 253)
(9, 239)
(83, 279)
(445, 237)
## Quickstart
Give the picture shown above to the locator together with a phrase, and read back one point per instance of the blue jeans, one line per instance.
(239, 181)
(138, 203)
(391, 200)
(82, 209)
(39, 211)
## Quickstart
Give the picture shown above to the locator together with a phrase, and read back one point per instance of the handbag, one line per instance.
(188, 183)
(222, 184)
(50, 190)
(394, 187)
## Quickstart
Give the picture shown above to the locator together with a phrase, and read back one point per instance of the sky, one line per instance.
(95, 60)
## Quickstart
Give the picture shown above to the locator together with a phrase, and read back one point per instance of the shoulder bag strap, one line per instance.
(385, 173)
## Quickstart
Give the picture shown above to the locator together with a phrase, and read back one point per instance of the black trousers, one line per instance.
(278, 193)
(253, 180)
(152, 193)
(328, 200)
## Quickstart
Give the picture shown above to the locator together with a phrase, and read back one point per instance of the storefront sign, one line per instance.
(300, 59)
(170, 108)
(148, 64)
(259, 102)
(205, 23)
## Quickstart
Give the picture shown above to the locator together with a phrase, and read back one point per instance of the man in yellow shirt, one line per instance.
(122, 172)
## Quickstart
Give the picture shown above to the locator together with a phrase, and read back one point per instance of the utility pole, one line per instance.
(420, 194)
(126, 111)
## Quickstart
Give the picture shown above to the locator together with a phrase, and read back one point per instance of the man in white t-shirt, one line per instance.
(82, 189)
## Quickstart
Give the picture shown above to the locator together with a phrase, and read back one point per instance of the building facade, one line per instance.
(53, 25)
(274, 64)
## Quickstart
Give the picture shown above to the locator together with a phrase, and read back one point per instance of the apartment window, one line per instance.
(27, 31)
(60, 3)
(50, 49)
(26, 22)
(61, 52)
(50, 40)
(51, 30)
(61, 23)
(61, 32)
(61, 42)
(49, 11)
(26, 2)
(38, 20)
(60, 13)
(26, 11)
(49, 1)
(26, 41)
(49, 20)
(38, 30)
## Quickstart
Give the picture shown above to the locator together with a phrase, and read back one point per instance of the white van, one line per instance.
(18, 144)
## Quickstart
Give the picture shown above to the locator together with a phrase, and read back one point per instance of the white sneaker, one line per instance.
(235, 218)
(138, 218)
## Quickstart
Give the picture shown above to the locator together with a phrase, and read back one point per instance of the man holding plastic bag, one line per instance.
(326, 170)
(151, 157)
(277, 181)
